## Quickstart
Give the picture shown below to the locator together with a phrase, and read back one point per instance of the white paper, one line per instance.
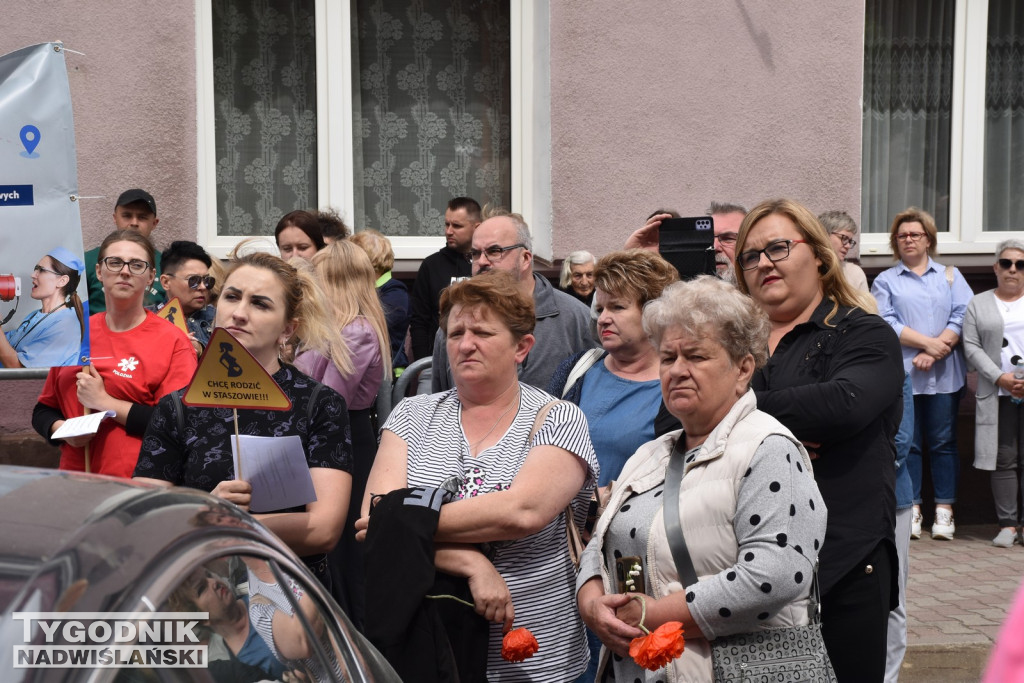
(81, 426)
(276, 468)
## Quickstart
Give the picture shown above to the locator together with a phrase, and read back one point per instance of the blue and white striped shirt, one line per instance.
(537, 569)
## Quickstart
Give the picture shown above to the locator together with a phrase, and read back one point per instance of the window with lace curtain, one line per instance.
(431, 114)
(430, 111)
(943, 114)
(264, 70)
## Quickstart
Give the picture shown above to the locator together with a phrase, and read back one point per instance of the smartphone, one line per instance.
(629, 571)
(689, 245)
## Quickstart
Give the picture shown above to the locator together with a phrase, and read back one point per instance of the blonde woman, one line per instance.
(393, 294)
(353, 368)
(264, 302)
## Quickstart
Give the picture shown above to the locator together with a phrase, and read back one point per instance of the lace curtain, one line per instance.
(431, 113)
(908, 83)
(265, 97)
(1004, 117)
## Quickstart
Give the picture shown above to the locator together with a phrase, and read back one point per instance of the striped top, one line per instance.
(537, 569)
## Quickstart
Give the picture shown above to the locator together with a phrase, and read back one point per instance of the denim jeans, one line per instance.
(935, 430)
(904, 439)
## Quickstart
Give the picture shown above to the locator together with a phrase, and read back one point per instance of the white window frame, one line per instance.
(531, 124)
(967, 151)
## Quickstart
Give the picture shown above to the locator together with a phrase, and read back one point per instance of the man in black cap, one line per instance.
(135, 210)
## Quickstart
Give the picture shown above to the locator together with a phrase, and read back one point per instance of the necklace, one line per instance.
(1007, 306)
(473, 445)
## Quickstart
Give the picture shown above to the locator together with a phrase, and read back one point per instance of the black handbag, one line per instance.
(783, 654)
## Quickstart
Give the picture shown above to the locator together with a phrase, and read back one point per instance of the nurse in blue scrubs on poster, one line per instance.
(51, 335)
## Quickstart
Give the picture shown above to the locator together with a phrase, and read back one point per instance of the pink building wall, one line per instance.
(699, 101)
(654, 104)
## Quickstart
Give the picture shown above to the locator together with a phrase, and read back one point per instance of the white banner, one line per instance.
(41, 252)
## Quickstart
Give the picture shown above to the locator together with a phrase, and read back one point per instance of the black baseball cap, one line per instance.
(132, 196)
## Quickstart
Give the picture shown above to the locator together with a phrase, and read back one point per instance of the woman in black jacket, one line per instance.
(834, 377)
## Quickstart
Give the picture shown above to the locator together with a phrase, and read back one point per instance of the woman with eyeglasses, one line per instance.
(842, 231)
(925, 302)
(135, 358)
(994, 344)
(834, 378)
(51, 335)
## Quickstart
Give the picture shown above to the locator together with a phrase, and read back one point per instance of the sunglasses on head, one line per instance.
(1005, 264)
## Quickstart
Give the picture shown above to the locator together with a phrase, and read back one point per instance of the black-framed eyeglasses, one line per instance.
(194, 281)
(847, 241)
(727, 237)
(40, 269)
(493, 252)
(774, 251)
(116, 265)
(1006, 264)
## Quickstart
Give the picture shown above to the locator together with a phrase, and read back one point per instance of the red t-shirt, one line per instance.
(140, 365)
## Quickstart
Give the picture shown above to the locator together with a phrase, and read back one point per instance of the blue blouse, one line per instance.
(929, 304)
(620, 414)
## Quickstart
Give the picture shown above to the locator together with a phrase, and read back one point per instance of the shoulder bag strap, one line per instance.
(587, 361)
(575, 540)
(179, 414)
(311, 404)
(673, 530)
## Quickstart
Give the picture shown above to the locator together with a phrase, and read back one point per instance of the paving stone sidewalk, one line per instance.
(957, 597)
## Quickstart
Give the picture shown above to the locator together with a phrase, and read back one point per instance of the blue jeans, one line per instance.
(935, 429)
(904, 439)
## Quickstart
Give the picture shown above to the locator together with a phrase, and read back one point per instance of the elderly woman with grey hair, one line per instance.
(994, 344)
(578, 276)
(737, 485)
(842, 230)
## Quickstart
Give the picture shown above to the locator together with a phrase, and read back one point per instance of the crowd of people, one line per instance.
(730, 445)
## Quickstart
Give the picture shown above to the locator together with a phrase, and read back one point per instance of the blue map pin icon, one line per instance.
(30, 138)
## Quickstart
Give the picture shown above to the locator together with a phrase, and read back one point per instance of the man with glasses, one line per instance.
(503, 242)
(727, 218)
(135, 210)
(187, 276)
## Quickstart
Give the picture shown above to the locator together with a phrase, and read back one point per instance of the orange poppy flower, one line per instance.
(659, 647)
(518, 644)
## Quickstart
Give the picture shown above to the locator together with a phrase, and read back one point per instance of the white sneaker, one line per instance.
(915, 523)
(943, 528)
(1005, 538)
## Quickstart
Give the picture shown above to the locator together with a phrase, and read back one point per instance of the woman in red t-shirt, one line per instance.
(136, 357)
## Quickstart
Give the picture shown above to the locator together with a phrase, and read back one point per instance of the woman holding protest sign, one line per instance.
(136, 359)
(263, 303)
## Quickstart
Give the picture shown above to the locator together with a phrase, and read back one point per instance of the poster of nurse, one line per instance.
(43, 321)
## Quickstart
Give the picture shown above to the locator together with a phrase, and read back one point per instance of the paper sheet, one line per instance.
(81, 426)
(277, 469)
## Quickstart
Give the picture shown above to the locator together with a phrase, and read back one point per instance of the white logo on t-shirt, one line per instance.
(127, 365)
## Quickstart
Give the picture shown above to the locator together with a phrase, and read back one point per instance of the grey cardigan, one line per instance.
(983, 342)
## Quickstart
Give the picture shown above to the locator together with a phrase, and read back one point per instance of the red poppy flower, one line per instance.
(659, 647)
(518, 644)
